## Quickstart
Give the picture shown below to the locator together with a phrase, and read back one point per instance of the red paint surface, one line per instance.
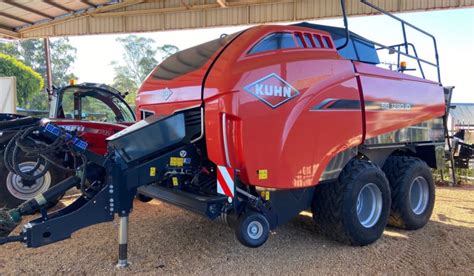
(383, 86)
(291, 142)
(94, 133)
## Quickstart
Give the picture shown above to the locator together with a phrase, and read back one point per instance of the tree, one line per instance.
(63, 56)
(31, 53)
(167, 50)
(29, 82)
(139, 59)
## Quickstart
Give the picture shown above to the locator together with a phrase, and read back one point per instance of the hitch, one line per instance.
(125, 168)
(9, 219)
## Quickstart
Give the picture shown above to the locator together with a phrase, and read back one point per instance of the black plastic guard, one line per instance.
(209, 206)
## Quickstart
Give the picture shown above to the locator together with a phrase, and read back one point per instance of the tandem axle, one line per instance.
(351, 141)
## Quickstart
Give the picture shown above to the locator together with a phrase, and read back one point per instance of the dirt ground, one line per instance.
(167, 240)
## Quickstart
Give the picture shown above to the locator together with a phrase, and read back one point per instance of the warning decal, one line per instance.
(225, 181)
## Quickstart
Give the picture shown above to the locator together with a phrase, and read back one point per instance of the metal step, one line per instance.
(448, 93)
(209, 206)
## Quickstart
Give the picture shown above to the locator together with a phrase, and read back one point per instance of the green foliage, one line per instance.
(29, 82)
(462, 175)
(167, 50)
(63, 56)
(138, 61)
(31, 53)
(9, 49)
(92, 108)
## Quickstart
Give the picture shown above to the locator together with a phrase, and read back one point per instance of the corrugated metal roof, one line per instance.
(32, 18)
(19, 15)
(463, 114)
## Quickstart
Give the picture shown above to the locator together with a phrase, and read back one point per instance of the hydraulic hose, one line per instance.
(25, 142)
(9, 219)
(11, 160)
(33, 205)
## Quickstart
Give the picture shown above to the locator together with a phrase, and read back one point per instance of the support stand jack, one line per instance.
(123, 242)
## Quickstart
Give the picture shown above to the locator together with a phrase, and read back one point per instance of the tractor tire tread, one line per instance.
(397, 168)
(328, 203)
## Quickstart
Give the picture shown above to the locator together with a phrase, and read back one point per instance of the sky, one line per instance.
(453, 29)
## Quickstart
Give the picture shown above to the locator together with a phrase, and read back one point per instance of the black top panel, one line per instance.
(148, 137)
(191, 59)
(358, 48)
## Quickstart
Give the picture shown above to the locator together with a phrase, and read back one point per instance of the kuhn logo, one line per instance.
(272, 90)
(166, 94)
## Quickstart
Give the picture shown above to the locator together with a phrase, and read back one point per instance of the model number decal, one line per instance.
(395, 106)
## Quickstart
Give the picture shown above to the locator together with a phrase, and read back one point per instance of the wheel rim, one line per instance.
(24, 190)
(369, 205)
(255, 230)
(419, 195)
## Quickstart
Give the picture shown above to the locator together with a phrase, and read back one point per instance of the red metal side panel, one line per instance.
(94, 133)
(394, 100)
(291, 142)
(163, 97)
(166, 97)
(163, 108)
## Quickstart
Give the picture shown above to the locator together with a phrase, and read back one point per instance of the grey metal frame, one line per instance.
(396, 48)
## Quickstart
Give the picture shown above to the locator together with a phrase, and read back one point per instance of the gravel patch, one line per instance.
(168, 240)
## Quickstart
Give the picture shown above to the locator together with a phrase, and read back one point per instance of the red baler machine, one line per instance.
(257, 126)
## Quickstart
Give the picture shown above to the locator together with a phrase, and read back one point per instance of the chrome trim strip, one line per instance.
(224, 138)
(146, 110)
(384, 146)
(186, 108)
(239, 190)
(430, 144)
(335, 110)
(202, 127)
(403, 145)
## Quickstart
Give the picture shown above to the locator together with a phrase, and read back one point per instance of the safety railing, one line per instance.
(398, 47)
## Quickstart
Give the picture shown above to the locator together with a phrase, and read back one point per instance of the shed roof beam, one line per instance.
(185, 4)
(59, 6)
(15, 18)
(191, 8)
(74, 16)
(8, 32)
(222, 3)
(88, 3)
(20, 6)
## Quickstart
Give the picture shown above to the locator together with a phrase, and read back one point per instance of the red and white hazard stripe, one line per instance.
(225, 181)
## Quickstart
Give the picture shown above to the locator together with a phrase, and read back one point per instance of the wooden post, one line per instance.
(49, 77)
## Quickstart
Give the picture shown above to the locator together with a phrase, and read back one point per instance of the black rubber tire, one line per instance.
(401, 171)
(144, 198)
(335, 204)
(8, 200)
(243, 223)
